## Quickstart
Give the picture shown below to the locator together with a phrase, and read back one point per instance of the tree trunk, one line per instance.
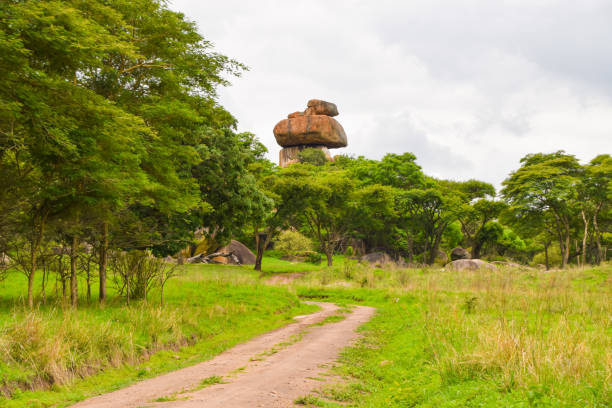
(410, 248)
(261, 238)
(546, 255)
(103, 262)
(434, 248)
(476, 249)
(74, 289)
(88, 281)
(43, 291)
(567, 249)
(329, 253)
(565, 246)
(127, 294)
(34, 247)
(599, 257)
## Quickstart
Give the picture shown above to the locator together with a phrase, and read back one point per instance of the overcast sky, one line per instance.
(469, 87)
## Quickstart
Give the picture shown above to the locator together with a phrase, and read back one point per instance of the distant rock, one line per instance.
(377, 258)
(459, 253)
(469, 264)
(310, 130)
(241, 252)
(441, 257)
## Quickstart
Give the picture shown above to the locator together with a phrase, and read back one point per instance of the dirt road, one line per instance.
(271, 370)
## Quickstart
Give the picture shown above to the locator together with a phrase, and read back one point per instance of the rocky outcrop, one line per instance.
(315, 127)
(459, 253)
(469, 264)
(240, 251)
(234, 253)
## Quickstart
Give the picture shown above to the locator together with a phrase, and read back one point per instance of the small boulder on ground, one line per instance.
(441, 257)
(469, 264)
(377, 258)
(240, 251)
(459, 253)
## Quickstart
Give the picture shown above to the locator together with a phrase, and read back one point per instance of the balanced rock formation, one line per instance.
(314, 128)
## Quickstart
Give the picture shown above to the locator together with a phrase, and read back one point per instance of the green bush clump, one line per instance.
(293, 245)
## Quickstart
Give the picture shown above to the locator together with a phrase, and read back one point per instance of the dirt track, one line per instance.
(260, 373)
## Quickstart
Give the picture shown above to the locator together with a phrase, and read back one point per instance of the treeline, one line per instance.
(111, 136)
(550, 205)
(114, 149)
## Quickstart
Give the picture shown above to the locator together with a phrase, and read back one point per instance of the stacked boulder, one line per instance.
(314, 128)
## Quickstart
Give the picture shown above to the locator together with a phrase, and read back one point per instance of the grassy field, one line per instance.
(512, 338)
(53, 356)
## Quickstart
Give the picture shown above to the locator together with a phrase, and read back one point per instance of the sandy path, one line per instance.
(253, 376)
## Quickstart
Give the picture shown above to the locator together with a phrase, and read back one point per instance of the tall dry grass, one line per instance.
(43, 348)
(517, 326)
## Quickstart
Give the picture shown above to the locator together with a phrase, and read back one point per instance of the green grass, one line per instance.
(54, 356)
(508, 338)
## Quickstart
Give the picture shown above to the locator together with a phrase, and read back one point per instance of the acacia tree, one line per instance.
(545, 184)
(429, 211)
(317, 200)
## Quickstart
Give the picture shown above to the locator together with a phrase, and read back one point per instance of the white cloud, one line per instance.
(469, 87)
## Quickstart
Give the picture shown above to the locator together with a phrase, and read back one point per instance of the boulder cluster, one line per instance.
(315, 127)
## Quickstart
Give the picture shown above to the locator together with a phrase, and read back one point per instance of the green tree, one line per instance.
(317, 201)
(429, 211)
(545, 184)
(596, 194)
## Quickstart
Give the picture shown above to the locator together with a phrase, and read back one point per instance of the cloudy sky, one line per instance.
(469, 86)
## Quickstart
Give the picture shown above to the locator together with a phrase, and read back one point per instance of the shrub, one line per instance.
(292, 244)
(313, 257)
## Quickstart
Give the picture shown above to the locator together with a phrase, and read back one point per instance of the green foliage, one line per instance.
(292, 244)
(545, 187)
(452, 235)
(313, 156)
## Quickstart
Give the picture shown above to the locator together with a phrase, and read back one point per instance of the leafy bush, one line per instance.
(292, 244)
(313, 257)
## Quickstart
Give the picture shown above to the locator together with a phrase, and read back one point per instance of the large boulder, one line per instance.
(377, 258)
(310, 130)
(459, 253)
(240, 252)
(469, 264)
